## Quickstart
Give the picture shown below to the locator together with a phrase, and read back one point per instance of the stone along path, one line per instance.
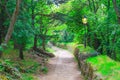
(62, 67)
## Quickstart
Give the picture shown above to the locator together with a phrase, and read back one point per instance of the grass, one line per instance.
(28, 76)
(82, 49)
(50, 50)
(105, 66)
(86, 50)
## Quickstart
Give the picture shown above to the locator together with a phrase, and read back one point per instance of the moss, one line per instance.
(109, 68)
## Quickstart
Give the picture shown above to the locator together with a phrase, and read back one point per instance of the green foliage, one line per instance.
(1, 67)
(8, 70)
(102, 27)
(44, 70)
(27, 67)
(50, 50)
(63, 24)
(84, 50)
(31, 64)
(1, 48)
(105, 66)
(27, 77)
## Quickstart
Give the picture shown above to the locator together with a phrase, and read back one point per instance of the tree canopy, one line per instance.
(31, 24)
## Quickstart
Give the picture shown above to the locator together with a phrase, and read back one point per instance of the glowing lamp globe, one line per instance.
(84, 20)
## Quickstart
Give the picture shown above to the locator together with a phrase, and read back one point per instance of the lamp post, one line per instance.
(84, 20)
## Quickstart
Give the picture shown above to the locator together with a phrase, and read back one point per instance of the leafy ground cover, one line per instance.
(105, 66)
(102, 64)
(28, 67)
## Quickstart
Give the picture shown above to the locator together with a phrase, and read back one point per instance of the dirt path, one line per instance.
(62, 67)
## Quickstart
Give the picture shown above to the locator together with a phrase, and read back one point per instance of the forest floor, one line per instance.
(62, 67)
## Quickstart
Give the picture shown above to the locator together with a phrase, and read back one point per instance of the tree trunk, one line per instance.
(114, 49)
(16, 46)
(109, 53)
(116, 10)
(12, 22)
(1, 30)
(44, 39)
(118, 19)
(35, 42)
(21, 56)
(2, 20)
(97, 43)
(108, 44)
(101, 50)
(108, 31)
(114, 53)
(89, 1)
(0, 37)
(43, 43)
(88, 36)
(0, 54)
(33, 23)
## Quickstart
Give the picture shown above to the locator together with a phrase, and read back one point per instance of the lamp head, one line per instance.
(84, 20)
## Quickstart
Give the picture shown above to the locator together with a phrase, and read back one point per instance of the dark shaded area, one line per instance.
(40, 51)
(21, 56)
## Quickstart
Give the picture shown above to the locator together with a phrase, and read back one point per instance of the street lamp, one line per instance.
(84, 20)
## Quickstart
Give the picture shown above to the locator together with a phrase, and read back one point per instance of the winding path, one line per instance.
(62, 67)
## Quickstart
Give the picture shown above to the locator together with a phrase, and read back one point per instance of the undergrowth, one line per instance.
(27, 67)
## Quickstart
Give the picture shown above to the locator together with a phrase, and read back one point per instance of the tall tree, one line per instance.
(116, 7)
(2, 19)
(12, 22)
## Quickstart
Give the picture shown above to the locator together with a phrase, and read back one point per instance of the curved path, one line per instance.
(62, 67)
